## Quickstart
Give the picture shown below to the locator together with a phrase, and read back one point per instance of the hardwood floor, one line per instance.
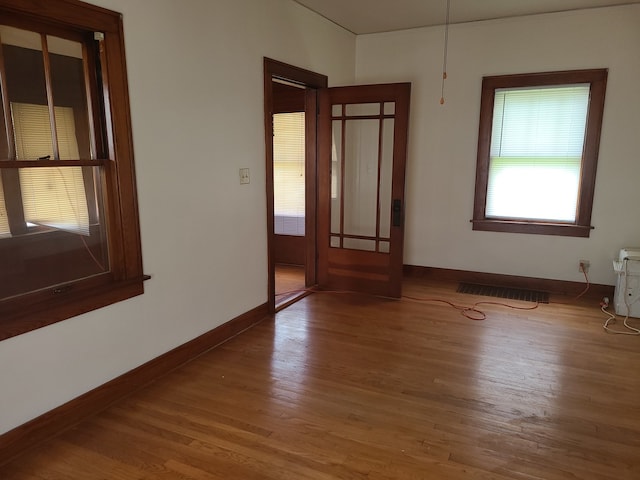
(342, 386)
(289, 283)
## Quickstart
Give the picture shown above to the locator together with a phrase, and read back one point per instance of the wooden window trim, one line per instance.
(597, 78)
(125, 277)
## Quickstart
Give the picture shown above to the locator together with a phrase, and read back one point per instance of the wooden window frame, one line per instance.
(113, 137)
(597, 78)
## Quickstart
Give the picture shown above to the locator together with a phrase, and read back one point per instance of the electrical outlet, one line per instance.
(583, 266)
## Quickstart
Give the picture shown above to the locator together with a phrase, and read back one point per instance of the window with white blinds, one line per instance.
(538, 146)
(289, 173)
(51, 196)
(537, 141)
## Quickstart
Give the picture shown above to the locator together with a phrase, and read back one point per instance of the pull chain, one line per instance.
(446, 47)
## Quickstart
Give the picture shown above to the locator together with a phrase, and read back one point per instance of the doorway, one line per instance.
(289, 192)
(291, 164)
(355, 149)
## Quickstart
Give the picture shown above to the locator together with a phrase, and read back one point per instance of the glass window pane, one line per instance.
(386, 171)
(4, 139)
(540, 122)
(361, 177)
(20, 38)
(72, 244)
(336, 176)
(55, 197)
(289, 173)
(390, 108)
(360, 109)
(336, 110)
(67, 80)
(360, 244)
(24, 65)
(31, 131)
(384, 247)
(534, 189)
(4, 219)
(335, 242)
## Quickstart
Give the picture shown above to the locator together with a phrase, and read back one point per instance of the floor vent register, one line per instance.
(504, 292)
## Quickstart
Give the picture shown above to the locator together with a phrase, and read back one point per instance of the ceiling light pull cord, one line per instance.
(446, 48)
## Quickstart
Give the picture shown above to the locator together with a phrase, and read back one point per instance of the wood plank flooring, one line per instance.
(290, 283)
(342, 386)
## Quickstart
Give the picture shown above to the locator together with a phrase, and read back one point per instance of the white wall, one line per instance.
(195, 77)
(443, 139)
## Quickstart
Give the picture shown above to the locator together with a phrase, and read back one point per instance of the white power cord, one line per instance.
(612, 318)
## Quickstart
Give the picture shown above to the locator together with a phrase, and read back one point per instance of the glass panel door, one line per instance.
(362, 155)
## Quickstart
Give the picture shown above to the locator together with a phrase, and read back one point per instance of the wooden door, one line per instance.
(362, 135)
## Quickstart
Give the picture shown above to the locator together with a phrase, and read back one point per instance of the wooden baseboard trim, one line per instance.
(556, 287)
(31, 434)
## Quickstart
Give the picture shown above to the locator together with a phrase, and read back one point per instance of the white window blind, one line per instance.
(4, 219)
(51, 196)
(289, 173)
(537, 141)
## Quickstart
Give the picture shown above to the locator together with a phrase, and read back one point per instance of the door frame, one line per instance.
(312, 81)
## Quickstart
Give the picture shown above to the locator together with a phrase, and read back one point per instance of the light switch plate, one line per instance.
(244, 176)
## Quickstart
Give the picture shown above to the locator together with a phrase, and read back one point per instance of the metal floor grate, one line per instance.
(504, 292)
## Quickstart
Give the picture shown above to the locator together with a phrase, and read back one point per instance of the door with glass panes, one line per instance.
(362, 135)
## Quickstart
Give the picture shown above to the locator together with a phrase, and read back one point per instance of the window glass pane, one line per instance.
(386, 171)
(24, 66)
(67, 80)
(4, 144)
(359, 109)
(390, 108)
(4, 219)
(529, 188)
(20, 38)
(55, 197)
(536, 152)
(383, 247)
(336, 175)
(64, 251)
(289, 173)
(359, 244)
(361, 177)
(539, 122)
(31, 131)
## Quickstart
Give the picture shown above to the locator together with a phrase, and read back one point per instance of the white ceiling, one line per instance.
(372, 16)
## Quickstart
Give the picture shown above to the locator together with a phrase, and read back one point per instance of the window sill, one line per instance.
(533, 228)
(16, 319)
